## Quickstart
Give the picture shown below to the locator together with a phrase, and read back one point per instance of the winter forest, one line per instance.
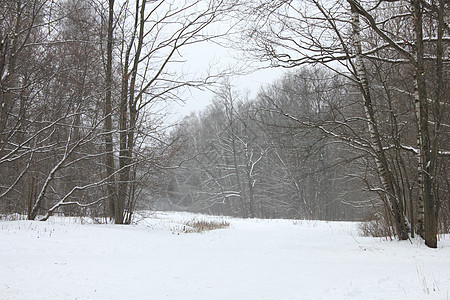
(357, 128)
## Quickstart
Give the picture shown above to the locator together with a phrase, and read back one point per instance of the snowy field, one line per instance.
(252, 259)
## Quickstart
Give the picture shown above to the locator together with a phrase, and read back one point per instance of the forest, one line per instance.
(356, 129)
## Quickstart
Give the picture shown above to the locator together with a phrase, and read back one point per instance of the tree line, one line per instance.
(388, 117)
(396, 54)
(243, 157)
(82, 84)
(359, 125)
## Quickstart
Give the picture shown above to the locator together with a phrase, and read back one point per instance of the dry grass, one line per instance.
(12, 217)
(199, 226)
(375, 225)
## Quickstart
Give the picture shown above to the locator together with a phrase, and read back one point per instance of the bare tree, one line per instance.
(149, 48)
(107, 111)
(245, 158)
(291, 34)
(50, 89)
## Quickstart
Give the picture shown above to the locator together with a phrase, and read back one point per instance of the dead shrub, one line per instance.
(375, 225)
(12, 217)
(199, 226)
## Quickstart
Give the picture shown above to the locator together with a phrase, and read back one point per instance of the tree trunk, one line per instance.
(128, 113)
(426, 218)
(401, 223)
(251, 196)
(8, 55)
(109, 154)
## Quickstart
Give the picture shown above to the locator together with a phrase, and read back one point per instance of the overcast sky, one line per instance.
(206, 56)
(197, 100)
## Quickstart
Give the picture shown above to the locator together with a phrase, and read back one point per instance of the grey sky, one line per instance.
(205, 56)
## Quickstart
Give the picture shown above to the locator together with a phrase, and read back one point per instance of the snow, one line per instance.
(65, 258)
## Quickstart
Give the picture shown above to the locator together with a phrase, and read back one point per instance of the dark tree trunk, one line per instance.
(109, 154)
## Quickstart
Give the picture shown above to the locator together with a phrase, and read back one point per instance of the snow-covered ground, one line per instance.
(252, 259)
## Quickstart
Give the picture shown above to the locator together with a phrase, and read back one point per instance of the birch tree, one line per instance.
(290, 34)
(427, 155)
